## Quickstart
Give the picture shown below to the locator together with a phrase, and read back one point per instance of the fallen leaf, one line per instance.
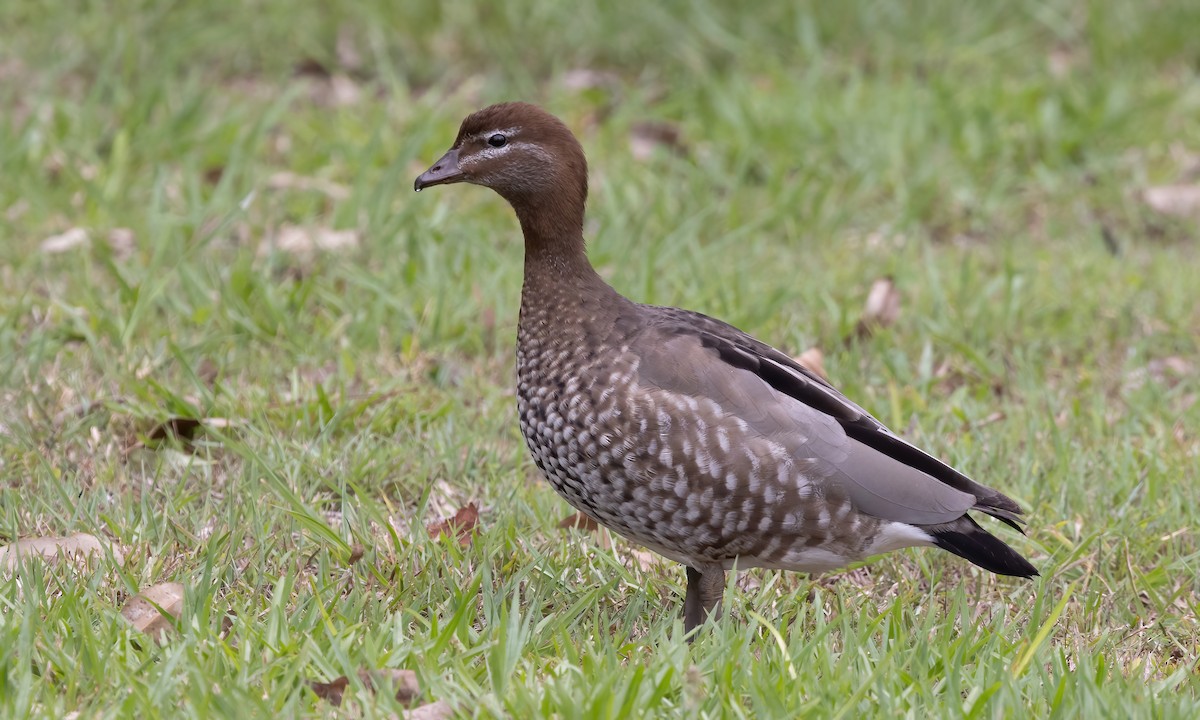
(356, 553)
(405, 683)
(77, 547)
(180, 428)
(54, 164)
(644, 558)
(460, 526)
(582, 521)
(331, 691)
(438, 710)
(813, 359)
(581, 79)
(881, 309)
(334, 90)
(310, 67)
(1168, 371)
(177, 427)
(83, 408)
(68, 240)
(227, 624)
(292, 181)
(645, 137)
(1174, 200)
(579, 521)
(207, 371)
(121, 241)
(155, 610)
(1064, 59)
(185, 428)
(17, 210)
(993, 418)
(304, 241)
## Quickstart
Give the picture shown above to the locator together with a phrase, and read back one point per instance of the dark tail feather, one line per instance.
(1011, 519)
(966, 539)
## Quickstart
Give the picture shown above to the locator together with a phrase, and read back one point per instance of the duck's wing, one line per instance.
(884, 475)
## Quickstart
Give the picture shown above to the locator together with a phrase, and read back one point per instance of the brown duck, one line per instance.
(683, 433)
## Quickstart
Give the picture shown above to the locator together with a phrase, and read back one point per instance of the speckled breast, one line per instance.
(668, 471)
(599, 442)
(565, 414)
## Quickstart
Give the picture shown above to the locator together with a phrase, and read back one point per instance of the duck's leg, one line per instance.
(704, 591)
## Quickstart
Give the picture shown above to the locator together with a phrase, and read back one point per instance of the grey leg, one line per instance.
(704, 591)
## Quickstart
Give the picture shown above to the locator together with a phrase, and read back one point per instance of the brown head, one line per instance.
(530, 158)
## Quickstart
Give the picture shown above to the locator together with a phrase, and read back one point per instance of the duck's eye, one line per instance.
(498, 140)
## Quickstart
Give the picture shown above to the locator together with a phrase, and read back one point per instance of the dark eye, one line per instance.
(497, 140)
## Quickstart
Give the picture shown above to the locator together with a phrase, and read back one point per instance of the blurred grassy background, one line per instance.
(206, 212)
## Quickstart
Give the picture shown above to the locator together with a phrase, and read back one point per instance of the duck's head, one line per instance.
(517, 149)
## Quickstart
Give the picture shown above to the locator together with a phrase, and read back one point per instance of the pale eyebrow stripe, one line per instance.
(487, 152)
(503, 131)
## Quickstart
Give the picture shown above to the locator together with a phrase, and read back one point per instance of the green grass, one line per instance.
(986, 155)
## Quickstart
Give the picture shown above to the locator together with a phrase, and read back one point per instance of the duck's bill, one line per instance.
(442, 172)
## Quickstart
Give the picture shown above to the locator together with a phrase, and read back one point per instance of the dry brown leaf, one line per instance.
(180, 428)
(883, 302)
(122, 242)
(68, 240)
(645, 137)
(881, 309)
(77, 547)
(185, 428)
(580, 521)
(333, 90)
(346, 50)
(207, 371)
(585, 522)
(404, 681)
(1174, 200)
(17, 210)
(303, 241)
(310, 67)
(155, 609)
(356, 553)
(644, 558)
(438, 710)
(176, 427)
(461, 525)
(227, 624)
(292, 181)
(331, 691)
(1064, 59)
(1168, 371)
(992, 418)
(813, 359)
(581, 79)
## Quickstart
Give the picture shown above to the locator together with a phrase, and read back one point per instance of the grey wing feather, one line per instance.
(875, 483)
(788, 377)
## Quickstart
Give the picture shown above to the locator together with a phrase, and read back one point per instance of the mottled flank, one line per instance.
(683, 433)
(676, 472)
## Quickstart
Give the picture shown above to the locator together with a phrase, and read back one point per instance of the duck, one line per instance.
(683, 433)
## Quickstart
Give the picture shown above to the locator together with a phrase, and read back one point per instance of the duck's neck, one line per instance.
(555, 255)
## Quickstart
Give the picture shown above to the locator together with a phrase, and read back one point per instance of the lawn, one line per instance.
(239, 352)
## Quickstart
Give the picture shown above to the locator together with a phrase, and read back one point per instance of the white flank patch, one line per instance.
(894, 536)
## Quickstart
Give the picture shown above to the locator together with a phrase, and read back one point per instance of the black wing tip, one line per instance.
(1010, 518)
(967, 540)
